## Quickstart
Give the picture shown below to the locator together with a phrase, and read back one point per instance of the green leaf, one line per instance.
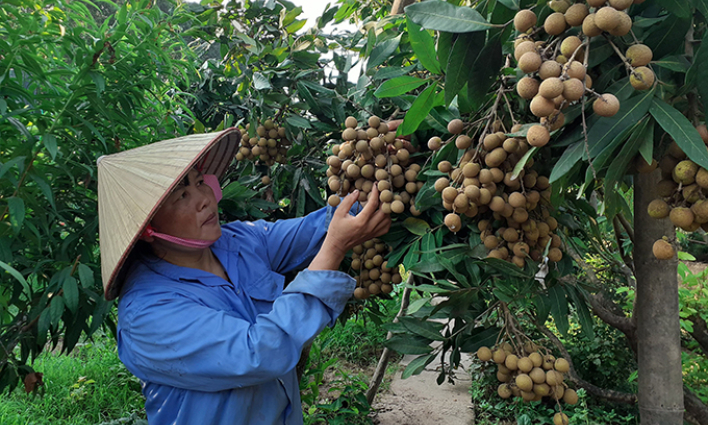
(667, 37)
(430, 330)
(416, 226)
(559, 308)
(522, 162)
(406, 344)
(681, 130)
(462, 58)
(420, 109)
(50, 142)
(56, 309)
(423, 45)
(45, 188)
(506, 268)
(18, 276)
(680, 8)
(398, 86)
(697, 74)
(484, 72)
(382, 52)
(17, 212)
(511, 4)
(86, 276)
(261, 82)
(442, 16)
(417, 365)
(479, 337)
(417, 305)
(641, 133)
(543, 307)
(584, 315)
(71, 294)
(299, 122)
(567, 161)
(702, 6)
(676, 63)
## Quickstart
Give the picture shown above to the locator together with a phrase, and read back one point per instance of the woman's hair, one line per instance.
(142, 251)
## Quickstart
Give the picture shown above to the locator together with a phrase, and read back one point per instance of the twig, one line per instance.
(378, 375)
(627, 226)
(618, 236)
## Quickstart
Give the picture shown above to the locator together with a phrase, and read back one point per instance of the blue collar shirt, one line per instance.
(214, 351)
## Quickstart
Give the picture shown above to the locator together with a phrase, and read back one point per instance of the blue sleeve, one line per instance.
(294, 242)
(215, 351)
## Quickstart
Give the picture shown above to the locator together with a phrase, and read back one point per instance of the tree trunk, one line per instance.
(399, 5)
(656, 310)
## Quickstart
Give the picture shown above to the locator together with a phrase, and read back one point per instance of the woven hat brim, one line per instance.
(133, 184)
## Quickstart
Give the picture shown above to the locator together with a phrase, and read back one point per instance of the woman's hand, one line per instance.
(345, 231)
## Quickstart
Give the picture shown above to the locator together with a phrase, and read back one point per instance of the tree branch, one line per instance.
(700, 332)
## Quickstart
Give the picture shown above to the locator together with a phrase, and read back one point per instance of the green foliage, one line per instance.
(72, 88)
(87, 387)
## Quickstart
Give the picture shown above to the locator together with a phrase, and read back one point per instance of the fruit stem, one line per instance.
(619, 53)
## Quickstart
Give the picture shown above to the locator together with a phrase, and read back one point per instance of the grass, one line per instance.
(88, 387)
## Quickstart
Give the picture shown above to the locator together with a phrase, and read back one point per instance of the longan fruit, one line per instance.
(349, 134)
(607, 18)
(591, 29)
(573, 89)
(551, 88)
(463, 142)
(524, 47)
(625, 24)
(453, 222)
(524, 20)
(549, 69)
(491, 142)
(538, 136)
(639, 55)
(527, 87)
(542, 107)
(575, 14)
(333, 200)
(351, 122)
(642, 78)
(570, 397)
(569, 45)
(606, 105)
(560, 418)
(374, 122)
(455, 126)
(434, 143)
(444, 166)
(575, 69)
(663, 250)
(555, 24)
(530, 62)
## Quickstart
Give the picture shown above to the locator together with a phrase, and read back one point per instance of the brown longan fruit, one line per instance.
(663, 250)
(562, 365)
(625, 24)
(555, 121)
(685, 172)
(333, 200)
(573, 89)
(361, 293)
(495, 157)
(541, 106)
(703, 131)
(570, 396)
(434, 143)
(559, 5)
(463, 142)
(554, 24)
(575, 69)
(351, 122)
(551, 88)
(607, 18)
(596, 3)
(453, 222)
(569, 45)
(455, 126)
(590, 29)
(397, 207)
(642, 78)
(444, 166)
(349, 134)
(639, 55)
(560, 418)
(606, 105)
(538, 136)
(555, 255)
(491, 142)
(681, 217)
(374, 122)
(575, 14)
(527, 87)
(510, 145)
(524, 47)
(530, 62)
(523, 381)
(549, 69)
(524, 20)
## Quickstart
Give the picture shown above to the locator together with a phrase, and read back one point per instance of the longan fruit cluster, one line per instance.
(681, 193)
(556, 76)
(510, 213)
(268, 146)
(373, 274)
(531, 376)
(373, 156)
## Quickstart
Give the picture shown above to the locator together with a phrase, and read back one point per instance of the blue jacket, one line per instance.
(213, 352)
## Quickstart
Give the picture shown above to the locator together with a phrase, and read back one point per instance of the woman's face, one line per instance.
(190, 211)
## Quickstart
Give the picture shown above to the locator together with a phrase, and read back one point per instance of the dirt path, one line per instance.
(419, 400)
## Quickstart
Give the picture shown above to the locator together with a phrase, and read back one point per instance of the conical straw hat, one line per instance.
(132, 185)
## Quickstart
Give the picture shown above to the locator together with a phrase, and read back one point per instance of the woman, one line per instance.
(204, 321)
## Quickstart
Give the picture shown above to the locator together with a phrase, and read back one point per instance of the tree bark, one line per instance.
(656, 312)
(399, 5)
(700, 332)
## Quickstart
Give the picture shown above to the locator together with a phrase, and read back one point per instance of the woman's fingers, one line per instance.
(371, 205)
(347, 204)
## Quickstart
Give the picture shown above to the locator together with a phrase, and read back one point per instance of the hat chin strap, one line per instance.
(190, 243)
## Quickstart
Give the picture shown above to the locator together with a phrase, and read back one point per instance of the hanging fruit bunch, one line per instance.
(373, 156)
(681, 194)
(373, 276)
(531, 373)
(268, 145)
